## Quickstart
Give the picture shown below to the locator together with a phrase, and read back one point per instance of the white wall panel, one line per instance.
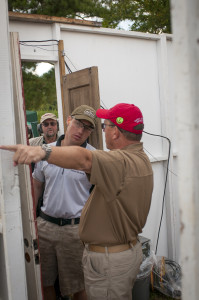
(134, 68)
(128, 72)
(35, 32)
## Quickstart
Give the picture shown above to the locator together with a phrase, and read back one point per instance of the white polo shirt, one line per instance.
(66, 190)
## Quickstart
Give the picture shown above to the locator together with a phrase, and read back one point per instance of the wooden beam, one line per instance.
(62, 73)
(15, 16)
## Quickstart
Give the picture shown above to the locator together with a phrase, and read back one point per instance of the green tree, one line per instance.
(60, 8)
(147, 15)
(151, 16)
(39, 91)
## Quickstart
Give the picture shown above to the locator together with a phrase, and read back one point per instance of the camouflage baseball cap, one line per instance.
(48, 116)
(85, 112)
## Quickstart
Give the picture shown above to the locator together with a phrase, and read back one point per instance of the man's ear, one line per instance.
(69, 119)
(116, 133)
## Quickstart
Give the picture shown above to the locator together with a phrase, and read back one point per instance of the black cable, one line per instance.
(39, 41)
(103, 104)
(169, 281)
(164, 184)
(64, 54)
(69, 70)
(39, 46)
(32, 45)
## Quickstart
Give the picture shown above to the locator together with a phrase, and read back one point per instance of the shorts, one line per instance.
(61, 254)
(111, 276)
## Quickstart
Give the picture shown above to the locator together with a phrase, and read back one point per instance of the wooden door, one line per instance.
(79, 88)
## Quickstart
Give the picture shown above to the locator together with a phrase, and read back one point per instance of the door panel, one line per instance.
(79, 88)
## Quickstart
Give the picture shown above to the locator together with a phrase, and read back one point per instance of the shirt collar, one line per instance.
(63, 136)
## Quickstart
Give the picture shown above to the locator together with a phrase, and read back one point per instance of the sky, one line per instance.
(43, 68)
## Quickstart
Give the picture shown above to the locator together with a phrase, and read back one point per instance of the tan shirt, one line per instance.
(117, 208)
(38, 141)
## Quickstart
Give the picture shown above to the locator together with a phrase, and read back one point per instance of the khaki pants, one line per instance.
(61, 254)
(111, 276)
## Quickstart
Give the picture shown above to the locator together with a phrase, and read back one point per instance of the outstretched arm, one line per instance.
(71, 157)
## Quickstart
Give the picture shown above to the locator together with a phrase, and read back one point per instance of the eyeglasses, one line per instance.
(103, 125)
(46, 124)
(80, 124)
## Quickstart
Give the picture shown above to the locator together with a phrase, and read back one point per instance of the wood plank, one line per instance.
(62, 74)
(31, 252)
(15, 16)
(79, 88)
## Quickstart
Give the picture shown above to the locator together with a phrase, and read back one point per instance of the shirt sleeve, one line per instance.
(38, 173)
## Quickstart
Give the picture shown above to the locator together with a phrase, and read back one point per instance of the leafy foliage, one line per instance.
(147, 15)
(60, 8)
(39, 91)
(151, 16)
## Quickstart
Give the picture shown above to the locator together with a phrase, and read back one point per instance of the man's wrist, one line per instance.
(48, 149)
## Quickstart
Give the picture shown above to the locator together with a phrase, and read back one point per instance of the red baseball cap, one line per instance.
(123, 115)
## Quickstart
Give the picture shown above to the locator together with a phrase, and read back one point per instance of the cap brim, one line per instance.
(83, 117)
(102, 113)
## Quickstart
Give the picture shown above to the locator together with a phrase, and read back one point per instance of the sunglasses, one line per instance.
(80, 124)
(103, 125)
(46, 124)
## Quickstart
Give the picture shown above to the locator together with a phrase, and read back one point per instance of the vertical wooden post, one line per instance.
(62, 73)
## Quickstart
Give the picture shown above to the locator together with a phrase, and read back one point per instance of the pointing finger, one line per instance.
(12, 148)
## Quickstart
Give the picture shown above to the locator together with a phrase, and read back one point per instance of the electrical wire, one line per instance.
(41, 41)
(70, 61)
(39, 46)
(25, 44)
(69, 70)
(166, 277)
(158, 161)
(103, 104)
(164, 184)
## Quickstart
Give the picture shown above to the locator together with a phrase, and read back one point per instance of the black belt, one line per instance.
(59, 221)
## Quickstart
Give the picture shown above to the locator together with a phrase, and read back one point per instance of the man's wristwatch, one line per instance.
(47, 149)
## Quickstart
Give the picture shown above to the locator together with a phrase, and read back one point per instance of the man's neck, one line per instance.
(124, 143)
(49, 140)
(65, 141)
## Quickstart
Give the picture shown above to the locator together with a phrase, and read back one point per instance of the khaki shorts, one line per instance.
(61, 254)
(111, 276)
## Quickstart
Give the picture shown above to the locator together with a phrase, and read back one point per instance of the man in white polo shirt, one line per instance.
(65, 193)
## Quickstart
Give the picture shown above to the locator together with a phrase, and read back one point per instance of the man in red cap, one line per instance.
(117, 208)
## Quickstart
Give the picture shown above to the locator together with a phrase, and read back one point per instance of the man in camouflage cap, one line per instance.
(49, 128)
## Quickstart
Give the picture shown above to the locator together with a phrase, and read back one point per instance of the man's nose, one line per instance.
(81, 129)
